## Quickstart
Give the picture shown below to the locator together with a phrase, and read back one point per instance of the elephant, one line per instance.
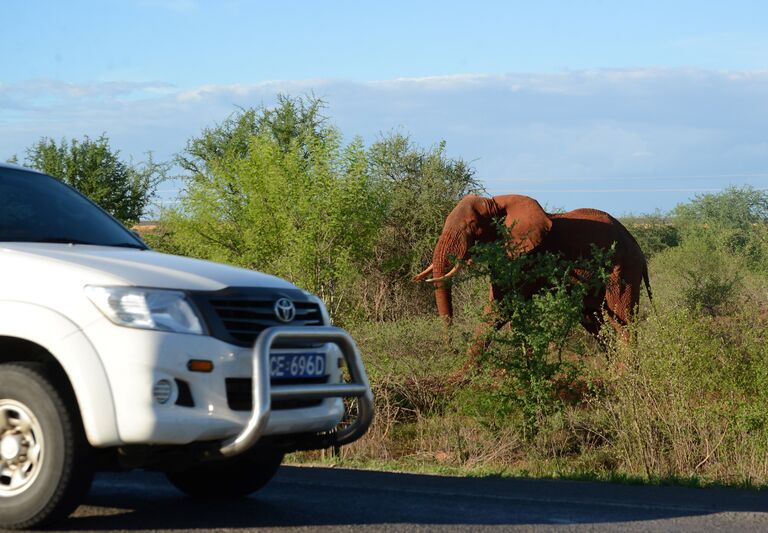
(571, 235)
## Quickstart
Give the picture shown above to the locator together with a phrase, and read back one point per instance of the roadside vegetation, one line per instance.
(281, 190)
(685, 402)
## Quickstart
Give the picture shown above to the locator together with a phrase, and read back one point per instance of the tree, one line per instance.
(92, 167)
(291, 121)
(420, 187)
(275, 189)
(734, 207)
(733, 222)
(543, 304)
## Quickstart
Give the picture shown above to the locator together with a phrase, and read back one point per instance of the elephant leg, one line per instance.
(593, 319)
(620, 326)
(621, 300)
(593, 322)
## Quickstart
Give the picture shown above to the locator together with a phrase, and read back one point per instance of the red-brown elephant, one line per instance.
(570, 234)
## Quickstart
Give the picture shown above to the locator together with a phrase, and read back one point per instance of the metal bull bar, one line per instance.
(264, 392)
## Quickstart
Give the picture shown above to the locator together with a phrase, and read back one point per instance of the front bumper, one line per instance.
(135, 360)
(263, 392)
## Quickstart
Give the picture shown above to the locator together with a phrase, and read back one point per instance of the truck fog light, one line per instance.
(162, 390)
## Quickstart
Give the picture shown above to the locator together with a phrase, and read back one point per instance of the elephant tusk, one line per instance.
(423, 274)
(446, 276)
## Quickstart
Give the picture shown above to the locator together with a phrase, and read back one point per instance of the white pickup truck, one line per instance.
(113, 356)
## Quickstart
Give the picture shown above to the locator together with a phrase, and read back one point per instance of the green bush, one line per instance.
(419, 187)
(684, 401)
(543, 305)
(654, 233)
(699, 276)
(277, 191)
(690, 399)
(735, 221)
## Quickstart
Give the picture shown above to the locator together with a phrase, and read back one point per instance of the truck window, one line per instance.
(38, 208)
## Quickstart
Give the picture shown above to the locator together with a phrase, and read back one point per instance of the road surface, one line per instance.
(328, 499)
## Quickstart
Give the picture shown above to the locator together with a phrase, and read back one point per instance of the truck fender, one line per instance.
(66, 342)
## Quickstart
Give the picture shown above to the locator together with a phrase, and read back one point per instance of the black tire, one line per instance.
(43, 444)
(227, 479)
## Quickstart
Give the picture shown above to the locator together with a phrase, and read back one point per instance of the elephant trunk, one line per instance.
(452, 244)
(444, 300)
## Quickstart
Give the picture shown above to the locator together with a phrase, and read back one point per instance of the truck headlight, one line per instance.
(157, 309)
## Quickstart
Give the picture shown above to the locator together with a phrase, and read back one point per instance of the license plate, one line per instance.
(297, 365)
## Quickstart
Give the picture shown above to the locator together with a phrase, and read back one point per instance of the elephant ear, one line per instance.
(528, 220)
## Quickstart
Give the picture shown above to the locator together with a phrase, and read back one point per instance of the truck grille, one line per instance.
(245, 319)
(238, 315)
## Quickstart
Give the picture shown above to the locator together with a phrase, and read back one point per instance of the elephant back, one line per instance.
(575, 232)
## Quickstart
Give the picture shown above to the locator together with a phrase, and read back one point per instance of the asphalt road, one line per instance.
(301, 499)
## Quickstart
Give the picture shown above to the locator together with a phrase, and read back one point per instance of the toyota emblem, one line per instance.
(285, 311)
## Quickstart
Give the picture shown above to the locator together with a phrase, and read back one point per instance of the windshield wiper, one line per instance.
(128, 245)
(66, 240)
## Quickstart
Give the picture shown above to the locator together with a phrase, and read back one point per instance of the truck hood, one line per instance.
(141, 268)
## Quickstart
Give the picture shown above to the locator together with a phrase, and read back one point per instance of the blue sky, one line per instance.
(624, 106)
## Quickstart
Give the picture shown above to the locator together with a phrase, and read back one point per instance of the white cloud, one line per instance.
(47, 89)
(620, 129)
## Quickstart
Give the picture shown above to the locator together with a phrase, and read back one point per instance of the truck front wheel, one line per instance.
(45, 467)
(227, 479)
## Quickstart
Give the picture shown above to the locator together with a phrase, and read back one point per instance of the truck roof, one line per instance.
(18, 167)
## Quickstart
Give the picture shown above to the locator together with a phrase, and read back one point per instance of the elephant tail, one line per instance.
(648, 286)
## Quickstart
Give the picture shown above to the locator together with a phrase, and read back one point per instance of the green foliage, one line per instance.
(96, 170)
(690, 399)
(735, 207)
(294, 124)
(683, 403)
(422, 187)
(654, 233)
(419, 187)
(542, 300)
(734, 221)
(723, 241)
(276, 190)
(700, 276)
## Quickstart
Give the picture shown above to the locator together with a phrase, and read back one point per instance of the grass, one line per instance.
(685, 404)
(405, 466)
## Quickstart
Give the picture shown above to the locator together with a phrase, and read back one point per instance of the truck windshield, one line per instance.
(38, 208)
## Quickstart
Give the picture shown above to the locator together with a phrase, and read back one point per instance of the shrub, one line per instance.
(689, 398)
(419, 187)
(543, 305)
(654, 233)
(276, 190)
(733, 220)
(699, 276)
